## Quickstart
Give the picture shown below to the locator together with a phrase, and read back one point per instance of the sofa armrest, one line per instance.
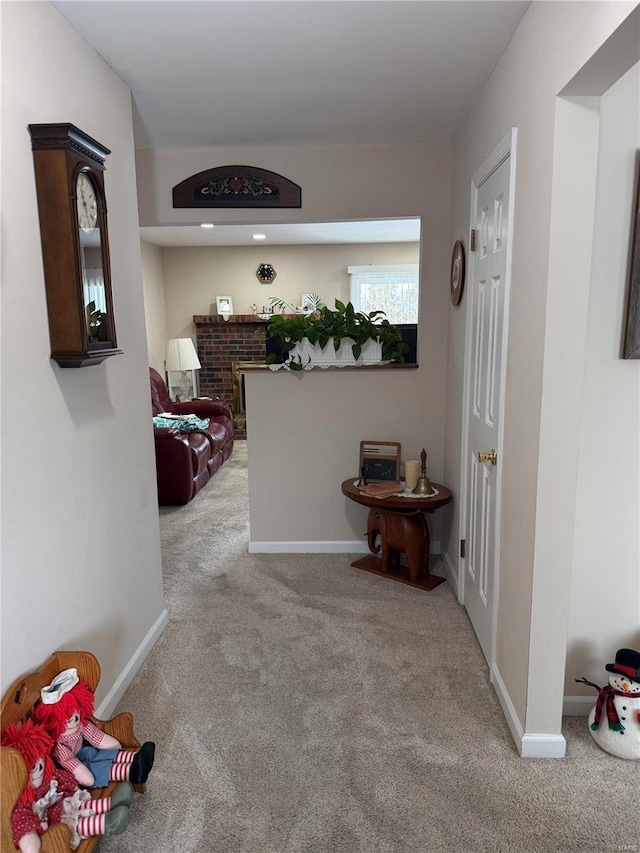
(203, 408)
(165, 432)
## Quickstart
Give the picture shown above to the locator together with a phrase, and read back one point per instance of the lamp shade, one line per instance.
(182, 355)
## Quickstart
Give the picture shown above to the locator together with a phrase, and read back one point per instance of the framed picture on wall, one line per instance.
(224, 305)
(631, 348)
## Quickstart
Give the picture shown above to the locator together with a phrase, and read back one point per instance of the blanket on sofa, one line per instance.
(183, 423)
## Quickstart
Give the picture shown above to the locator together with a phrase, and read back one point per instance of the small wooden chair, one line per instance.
(17, 705)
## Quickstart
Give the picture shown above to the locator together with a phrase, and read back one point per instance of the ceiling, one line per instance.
(264, 72)
(207, 73)
(372, 231)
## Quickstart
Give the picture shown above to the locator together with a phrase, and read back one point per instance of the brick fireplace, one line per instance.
(221, 347)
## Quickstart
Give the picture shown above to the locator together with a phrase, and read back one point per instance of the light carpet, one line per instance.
(300, 705)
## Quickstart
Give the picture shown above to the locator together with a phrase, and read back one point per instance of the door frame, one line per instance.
(505, 148)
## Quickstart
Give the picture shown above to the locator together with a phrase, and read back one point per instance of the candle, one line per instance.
(411, 473)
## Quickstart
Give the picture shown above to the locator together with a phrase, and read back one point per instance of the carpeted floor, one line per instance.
(303, 706)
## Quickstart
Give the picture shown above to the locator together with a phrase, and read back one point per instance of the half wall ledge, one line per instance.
(252, 368)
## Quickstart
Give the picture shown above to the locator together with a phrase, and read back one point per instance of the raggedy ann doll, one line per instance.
(52, 796)
(92, 756)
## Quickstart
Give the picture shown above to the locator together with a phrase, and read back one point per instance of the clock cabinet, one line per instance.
(69, 173)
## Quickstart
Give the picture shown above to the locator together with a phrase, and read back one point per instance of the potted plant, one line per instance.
(338, 337)
(96, 322)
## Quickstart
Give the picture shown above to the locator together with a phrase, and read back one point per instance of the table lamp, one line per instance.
(182, 357)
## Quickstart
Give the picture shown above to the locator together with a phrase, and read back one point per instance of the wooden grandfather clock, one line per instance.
(69, 171)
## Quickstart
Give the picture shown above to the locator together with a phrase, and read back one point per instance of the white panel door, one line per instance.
(487, 327)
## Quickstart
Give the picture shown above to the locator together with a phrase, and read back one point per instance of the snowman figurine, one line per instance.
(615, 720)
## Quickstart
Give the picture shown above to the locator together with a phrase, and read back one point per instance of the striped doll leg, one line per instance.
(120, 770)
(122, 796)
(112, 823)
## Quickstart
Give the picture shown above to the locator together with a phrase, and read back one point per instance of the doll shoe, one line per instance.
(116, 821)
(122, 795)
(142, 763)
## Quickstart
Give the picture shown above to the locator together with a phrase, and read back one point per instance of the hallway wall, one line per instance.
(81, 562)
(551, 44)
(155, 307)
(605, 579)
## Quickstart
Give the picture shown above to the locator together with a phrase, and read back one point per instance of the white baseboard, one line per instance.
(543, 746)
(529, 745)
(309, 547)
(320, 547)
(508, 709)
(578, 706)
(110, 701)
(452, 573)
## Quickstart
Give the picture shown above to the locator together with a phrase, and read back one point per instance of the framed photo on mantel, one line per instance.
(224, 305)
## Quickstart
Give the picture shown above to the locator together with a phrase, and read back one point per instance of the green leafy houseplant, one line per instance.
(324, 324)
(96, 322)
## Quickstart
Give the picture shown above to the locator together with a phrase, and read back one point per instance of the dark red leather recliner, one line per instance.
(186, 461)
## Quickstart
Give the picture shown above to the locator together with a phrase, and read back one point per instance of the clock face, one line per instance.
(87, 203)
(266, 273)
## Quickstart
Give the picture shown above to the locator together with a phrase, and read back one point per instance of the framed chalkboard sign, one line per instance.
(380, 460)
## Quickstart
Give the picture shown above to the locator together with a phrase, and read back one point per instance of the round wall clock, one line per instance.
(457, 272)
(266, 273)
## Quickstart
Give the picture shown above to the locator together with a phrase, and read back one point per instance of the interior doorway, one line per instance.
(485, 373)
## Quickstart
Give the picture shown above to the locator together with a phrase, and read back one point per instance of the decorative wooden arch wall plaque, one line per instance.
(237, 186)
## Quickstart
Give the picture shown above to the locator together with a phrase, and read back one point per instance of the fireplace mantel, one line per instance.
(234, 319)
(221, 344)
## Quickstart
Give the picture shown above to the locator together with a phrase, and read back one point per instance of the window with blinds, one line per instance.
(94, 289)
(392, 289)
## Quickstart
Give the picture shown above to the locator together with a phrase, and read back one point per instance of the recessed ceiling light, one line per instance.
(259, 236)
(207, 225)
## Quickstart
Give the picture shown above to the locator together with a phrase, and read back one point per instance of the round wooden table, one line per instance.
(402, 526)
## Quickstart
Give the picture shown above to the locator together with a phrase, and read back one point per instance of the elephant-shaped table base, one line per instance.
(400, 532)
(402, 526)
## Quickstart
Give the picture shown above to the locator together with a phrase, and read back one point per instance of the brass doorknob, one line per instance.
(492, 457)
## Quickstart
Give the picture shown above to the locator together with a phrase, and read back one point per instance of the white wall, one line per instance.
(80, 538)
(605, 582)
(155, 313)
(552, 43)
(194, 276)
(339, 182)
(304, 440)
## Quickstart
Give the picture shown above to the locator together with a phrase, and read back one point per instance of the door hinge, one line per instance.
(472, 248)
(463, 548)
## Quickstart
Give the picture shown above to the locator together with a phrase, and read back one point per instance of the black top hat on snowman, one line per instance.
(627, 663)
